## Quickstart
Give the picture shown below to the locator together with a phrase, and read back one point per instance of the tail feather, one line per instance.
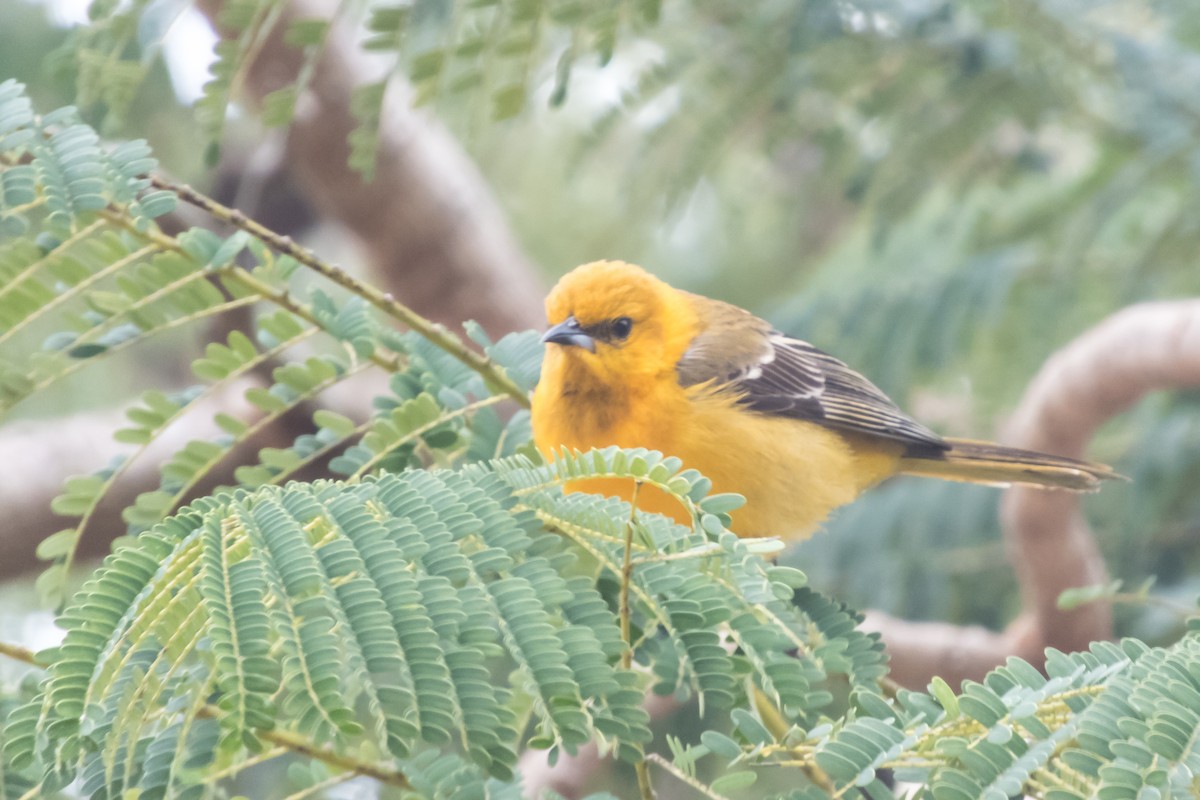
(986, 462)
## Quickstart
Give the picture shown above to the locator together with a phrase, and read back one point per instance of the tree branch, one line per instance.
(1142, 349)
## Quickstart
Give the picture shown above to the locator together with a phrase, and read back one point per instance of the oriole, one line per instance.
(634, 362)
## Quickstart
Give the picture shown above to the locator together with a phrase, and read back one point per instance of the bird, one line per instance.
(631, 361)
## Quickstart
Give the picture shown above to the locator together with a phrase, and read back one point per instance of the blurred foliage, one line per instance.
(940, 193)
(447, 607)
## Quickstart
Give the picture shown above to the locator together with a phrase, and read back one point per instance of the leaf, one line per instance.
(1070, 599)
(721, 744)
(945, 696)
(57, 544)
(79, 494)
(508, 102)
(732, 781)
(278, 107)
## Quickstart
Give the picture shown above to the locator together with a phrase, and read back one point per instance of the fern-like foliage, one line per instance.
(444, 606)
(90, 275)
(369, 617)
(361, 624)
(1118, 721)
(487, 52)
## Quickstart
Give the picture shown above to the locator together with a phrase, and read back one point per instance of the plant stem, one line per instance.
(299, 744)
(770, 716)
(1140, 599)
(438, 334)
(624, 612)
(281, 738)
(19, 653)
(283, 298)
(681, 775)
(642, 768)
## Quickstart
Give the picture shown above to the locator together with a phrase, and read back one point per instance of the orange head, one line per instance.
(616, 321)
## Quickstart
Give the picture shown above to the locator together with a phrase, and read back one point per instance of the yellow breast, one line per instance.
(792, 473)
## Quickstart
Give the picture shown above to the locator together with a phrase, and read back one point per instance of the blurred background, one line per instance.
(940, 193)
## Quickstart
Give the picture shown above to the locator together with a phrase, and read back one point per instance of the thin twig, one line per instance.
(642, 768)
(332, 780)
(624, 610)
(233, 770)
(304, 747)
(1138, 599)
(281, 738)
(435, 333)
(19, 653)
(284, 299)
(681, 775)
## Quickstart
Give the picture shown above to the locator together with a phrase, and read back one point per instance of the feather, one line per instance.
(985, 462)
(780, 376)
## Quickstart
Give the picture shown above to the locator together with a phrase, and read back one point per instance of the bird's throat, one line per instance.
(588, 407)
(594, 409)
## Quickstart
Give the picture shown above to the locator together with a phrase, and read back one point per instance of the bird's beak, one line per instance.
(570, 332)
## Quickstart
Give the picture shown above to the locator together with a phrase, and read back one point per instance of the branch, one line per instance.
(1142, 349)
(277, 736)
(383, 301)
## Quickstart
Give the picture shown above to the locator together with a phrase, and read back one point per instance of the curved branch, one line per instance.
(1141, 349)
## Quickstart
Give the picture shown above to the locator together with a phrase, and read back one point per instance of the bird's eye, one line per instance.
(621, 327)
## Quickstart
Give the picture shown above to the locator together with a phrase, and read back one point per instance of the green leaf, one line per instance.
(57, 544)
(750, 727)
(51, 585)
(732, 781)
(508, 102)
(1070, 599)
(945, 696)
(336, 423)
(722, 503)
(279, 107)
(721, 744)
(79, 494)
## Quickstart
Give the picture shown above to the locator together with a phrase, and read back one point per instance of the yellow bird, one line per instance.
(634, 362)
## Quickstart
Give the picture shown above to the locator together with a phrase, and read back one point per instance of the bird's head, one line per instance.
(617, 321)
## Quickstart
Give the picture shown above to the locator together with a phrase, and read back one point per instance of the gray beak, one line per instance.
(570, 332)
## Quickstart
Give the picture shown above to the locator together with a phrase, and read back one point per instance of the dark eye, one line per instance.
(621, 327)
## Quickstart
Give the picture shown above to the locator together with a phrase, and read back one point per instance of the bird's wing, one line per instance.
(777, 375)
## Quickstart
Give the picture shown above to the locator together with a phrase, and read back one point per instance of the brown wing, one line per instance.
(775, 374)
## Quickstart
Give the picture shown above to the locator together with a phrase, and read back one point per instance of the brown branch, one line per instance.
(436, 237)
(493, 375)
(1142, 349)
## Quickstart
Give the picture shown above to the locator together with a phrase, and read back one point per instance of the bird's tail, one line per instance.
(986, 462)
